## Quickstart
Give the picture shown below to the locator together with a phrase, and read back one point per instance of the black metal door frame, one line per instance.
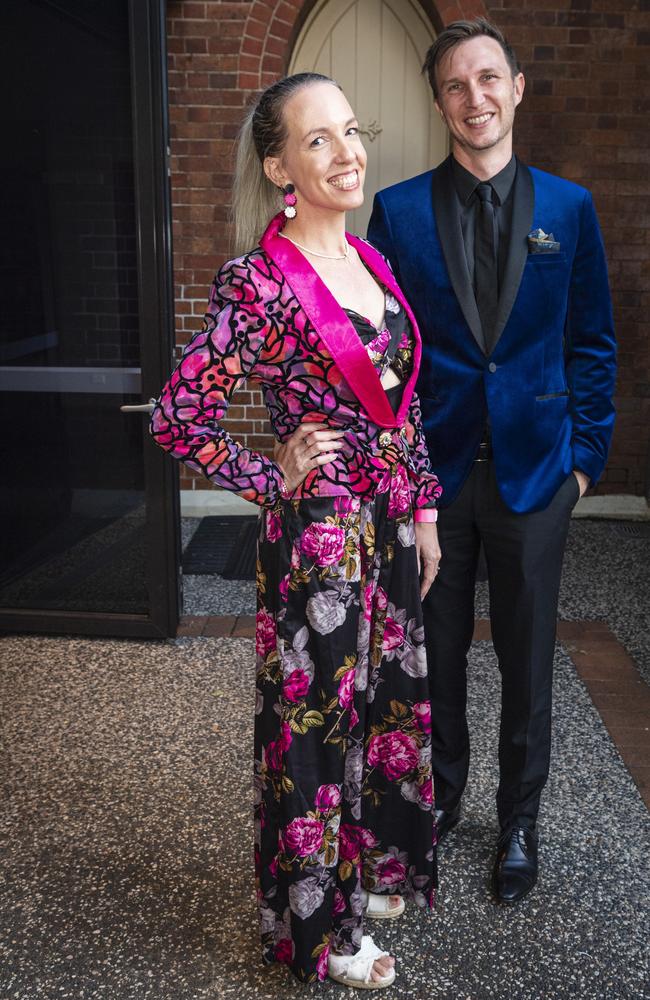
(156, 299)
(148, 58)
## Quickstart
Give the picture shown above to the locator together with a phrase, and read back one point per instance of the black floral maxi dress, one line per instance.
(343, 779)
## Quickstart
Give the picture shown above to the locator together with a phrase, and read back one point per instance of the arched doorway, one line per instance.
(375, 50)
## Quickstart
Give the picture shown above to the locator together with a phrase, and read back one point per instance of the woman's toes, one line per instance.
(381, 967)
(377, 973)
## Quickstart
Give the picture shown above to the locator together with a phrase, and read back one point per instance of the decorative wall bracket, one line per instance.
(372, 130)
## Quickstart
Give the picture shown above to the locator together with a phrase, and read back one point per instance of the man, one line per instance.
(505, 269)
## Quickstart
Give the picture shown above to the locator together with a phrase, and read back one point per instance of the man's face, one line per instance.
(477, 94)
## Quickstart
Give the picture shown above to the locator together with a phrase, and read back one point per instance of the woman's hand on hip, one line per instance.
(310, 445)
(428, 552)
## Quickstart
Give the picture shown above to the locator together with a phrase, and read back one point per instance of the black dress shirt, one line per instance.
(502, 183)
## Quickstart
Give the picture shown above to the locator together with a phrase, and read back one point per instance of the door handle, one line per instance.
(139, 407)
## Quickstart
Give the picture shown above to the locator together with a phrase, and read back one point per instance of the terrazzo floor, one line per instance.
(126, 832)
(126, 828)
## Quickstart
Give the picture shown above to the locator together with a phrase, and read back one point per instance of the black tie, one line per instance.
(486, 277)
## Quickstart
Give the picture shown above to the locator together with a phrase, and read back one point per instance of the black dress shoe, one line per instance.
(446, 821)
(515, 868)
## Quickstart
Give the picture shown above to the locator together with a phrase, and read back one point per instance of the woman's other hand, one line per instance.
(310, 445)
(428, 553)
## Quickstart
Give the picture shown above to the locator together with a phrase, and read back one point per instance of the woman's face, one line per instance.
(323, 156)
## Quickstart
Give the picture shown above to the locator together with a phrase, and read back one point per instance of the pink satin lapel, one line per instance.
(333, 325)
(379, 266)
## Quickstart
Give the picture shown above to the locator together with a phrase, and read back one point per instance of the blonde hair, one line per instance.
(263, 133)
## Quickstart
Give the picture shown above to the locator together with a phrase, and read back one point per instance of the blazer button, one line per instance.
(492, 367)
(385, 438)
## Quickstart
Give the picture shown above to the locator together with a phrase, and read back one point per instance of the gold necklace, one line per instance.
(328, 256)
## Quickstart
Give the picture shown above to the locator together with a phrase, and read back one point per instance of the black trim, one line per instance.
(153, 204)
(450, 238)
(80, 623)
(523, 208)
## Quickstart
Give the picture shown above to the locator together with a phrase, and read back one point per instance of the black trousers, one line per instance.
(524, 554)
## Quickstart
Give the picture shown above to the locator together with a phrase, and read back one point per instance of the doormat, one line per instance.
(223, 545)
(634, 529)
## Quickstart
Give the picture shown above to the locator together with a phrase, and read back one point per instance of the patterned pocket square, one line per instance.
(541, 242)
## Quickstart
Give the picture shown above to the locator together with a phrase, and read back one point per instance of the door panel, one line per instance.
(89, 508)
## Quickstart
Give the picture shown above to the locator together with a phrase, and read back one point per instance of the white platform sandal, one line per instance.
(379, 907)
(355, 970)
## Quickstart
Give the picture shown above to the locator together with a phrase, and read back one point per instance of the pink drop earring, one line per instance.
(289, 201)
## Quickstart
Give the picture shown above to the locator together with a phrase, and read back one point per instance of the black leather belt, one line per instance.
(484, 453)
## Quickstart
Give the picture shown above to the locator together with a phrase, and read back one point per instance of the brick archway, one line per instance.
(271, 28)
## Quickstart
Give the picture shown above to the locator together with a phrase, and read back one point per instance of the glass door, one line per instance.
(88, 507)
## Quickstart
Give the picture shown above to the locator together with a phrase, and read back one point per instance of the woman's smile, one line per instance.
(345, 182)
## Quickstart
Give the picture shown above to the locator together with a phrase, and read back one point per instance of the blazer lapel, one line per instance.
(380, 268)
(331, 323)
(522, 220)
(451, 240)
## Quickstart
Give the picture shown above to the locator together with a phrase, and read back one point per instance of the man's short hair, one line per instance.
(461, 31)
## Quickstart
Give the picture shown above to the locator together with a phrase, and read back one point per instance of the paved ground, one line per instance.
(127, 837)
(126, 828)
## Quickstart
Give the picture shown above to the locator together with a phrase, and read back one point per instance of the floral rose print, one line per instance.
(321, 965)
(305, 897)
(325, 612)
(328, 797)
(284, 951)
(323, 543)
(339, 902)
(394, 753)
(389, 872)
(264, 633)
(353, 779)
(296, 657)
(422, 713)
(350, 656)
(400, 497)
(352, 839)
(406, 534)
(393, 635)
(273, 526)
(381, 599)
(276, 748)
(303, 836)
(346, 689)
(426, 793)
(296, 685)
(284, 586)
(345, 505)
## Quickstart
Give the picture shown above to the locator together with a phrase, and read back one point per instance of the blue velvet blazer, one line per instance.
(547, 377)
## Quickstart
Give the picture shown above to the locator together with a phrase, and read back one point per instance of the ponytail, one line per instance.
(255, 199)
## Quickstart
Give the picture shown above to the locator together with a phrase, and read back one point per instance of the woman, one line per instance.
(344, 800)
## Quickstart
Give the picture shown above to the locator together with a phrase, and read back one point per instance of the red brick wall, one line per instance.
(584, 116)
(206, 104)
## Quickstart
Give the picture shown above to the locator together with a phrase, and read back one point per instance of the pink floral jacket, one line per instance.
(272, 319)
